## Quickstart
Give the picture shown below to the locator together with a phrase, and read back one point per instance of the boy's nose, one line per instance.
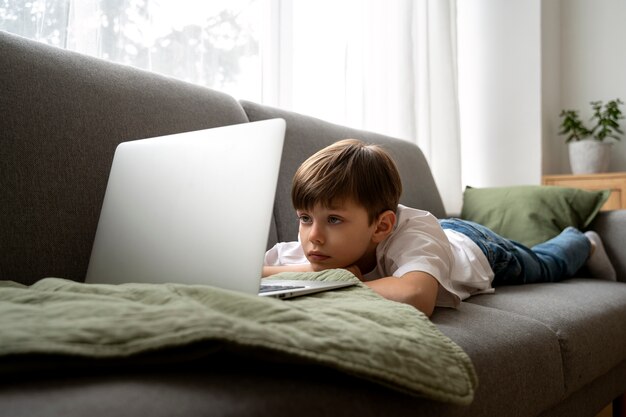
(316, 235)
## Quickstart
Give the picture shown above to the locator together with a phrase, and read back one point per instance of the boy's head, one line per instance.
(348, 170)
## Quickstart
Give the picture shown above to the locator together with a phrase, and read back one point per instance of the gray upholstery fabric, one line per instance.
(247, 387)
(204, 391)
(63, 114)
(592, 398)
(588, 317)
(305, 135)
(512, 365)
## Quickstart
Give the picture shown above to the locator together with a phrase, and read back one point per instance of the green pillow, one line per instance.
(531, 214)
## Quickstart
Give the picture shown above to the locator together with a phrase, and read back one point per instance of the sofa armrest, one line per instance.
(611, 226)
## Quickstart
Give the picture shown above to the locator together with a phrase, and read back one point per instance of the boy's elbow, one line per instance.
(417, 289)
(423, 294)
(423, 303)
(428, 310)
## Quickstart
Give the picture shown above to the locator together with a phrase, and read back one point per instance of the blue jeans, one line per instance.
(513, 263)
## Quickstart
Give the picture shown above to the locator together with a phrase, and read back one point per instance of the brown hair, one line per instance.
(348, 169)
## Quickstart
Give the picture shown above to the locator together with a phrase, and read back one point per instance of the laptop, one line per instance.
(194, 208)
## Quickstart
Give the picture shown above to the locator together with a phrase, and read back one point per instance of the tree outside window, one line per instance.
(215, 44)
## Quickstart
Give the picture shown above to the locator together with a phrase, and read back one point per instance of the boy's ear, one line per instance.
(384, 225)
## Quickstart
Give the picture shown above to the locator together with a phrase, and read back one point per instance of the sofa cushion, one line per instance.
(63, 114)
(587, 316)
(591, 399)
(531, 214)
(306, 135)
(233, 382)
(515, 357)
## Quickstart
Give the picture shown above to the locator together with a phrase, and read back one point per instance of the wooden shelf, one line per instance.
(614, 181)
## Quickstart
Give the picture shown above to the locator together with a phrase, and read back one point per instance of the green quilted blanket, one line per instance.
(353, 329)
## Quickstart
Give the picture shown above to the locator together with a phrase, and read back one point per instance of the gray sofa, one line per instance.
(539, 350)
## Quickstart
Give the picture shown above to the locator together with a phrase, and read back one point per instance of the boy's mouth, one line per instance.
(317, 256)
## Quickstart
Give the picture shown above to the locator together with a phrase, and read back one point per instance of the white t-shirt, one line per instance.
(418, 243)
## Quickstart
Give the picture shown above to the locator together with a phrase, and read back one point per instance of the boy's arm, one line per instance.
(272, 270)
(415, 288)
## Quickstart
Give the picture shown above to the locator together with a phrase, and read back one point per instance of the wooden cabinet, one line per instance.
(614, 181)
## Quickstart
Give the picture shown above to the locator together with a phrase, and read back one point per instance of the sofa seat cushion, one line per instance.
(515, 358)
(587, 316)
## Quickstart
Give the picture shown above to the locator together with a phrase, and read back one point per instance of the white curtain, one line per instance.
(380, 65)
(436, 95)
(386, 66)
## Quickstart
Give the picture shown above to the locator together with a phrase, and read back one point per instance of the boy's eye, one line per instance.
(334, 220)
(304, 219)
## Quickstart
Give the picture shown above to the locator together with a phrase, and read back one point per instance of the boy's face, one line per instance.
(338, 237)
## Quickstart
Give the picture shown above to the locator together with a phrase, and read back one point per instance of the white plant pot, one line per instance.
(589, 156)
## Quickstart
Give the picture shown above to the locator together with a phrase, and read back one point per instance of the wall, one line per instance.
(500, 91)
(593, 64)
(520, 63)
(554, 150)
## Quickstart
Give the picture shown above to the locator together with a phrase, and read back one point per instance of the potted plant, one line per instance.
(589, 149)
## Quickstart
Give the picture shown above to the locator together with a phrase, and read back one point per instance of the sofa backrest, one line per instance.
(305, 135)
(62, 115)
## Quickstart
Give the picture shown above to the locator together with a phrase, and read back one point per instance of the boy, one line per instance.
(346, 199)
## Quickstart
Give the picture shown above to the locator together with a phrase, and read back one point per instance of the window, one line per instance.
(213, 43)
(323, 58)
(42, 20)
(379, 65)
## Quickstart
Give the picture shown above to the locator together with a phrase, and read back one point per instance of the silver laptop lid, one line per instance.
(192, 208)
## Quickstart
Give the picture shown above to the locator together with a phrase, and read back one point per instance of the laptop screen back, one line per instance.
(190, 208)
